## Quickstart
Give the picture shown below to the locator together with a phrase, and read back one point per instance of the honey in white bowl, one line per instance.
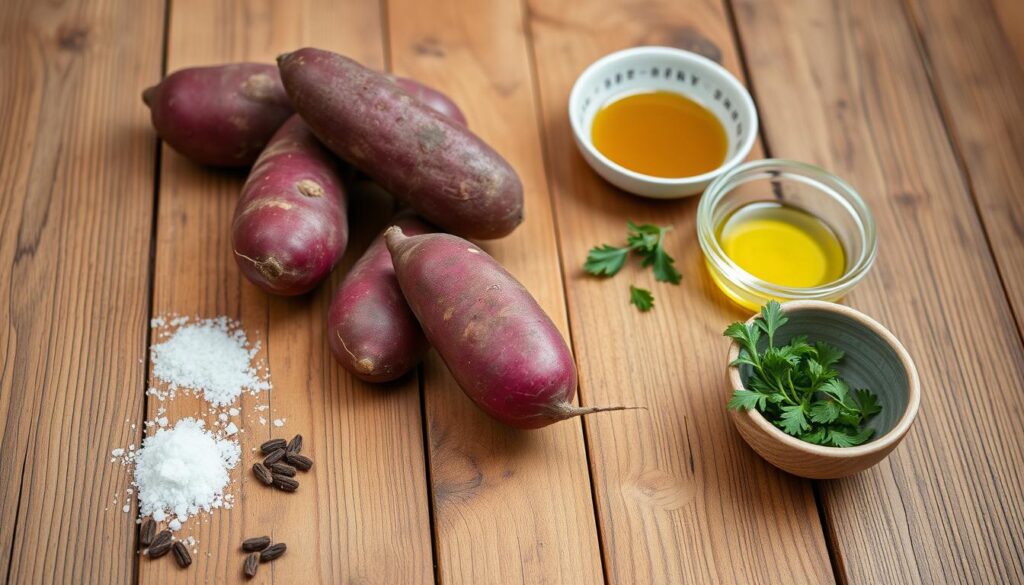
(660, 134)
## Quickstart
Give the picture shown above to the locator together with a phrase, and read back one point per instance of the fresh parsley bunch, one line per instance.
(796, 386)
(644, 241)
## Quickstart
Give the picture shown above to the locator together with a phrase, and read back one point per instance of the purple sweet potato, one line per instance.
(290, 226)
(445, 172)
(433, 98)
(499, 345)
(372, 331)
(222, 115)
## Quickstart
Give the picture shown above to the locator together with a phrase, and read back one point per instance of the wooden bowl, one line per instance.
(874, 359)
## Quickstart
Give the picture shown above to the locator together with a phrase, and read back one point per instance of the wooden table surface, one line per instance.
(918, 103)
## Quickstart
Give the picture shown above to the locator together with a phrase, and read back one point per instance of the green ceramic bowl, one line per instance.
(874, 359)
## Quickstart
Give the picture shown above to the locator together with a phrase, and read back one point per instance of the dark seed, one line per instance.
(295, 445)
(161, 544)
(285, 483)
(283, 469)
(274, 457)
(273, 552)
(251, 564)
(273, 445)
(147, 532)
(302, 462)
(262, 473)
(181, 555)
(256, 543)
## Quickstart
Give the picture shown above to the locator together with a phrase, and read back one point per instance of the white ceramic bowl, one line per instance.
(666, 69)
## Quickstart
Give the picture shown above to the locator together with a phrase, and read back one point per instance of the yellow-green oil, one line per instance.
(782, 245)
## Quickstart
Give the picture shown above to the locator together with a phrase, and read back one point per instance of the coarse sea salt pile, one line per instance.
(183, 470)
(211, 356)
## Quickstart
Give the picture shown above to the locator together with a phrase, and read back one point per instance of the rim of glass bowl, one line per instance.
(817, 177)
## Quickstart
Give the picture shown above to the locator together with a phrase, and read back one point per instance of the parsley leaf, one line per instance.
(645, 241)
(746, 399)
(868, 402)
(771, 319)
(839, 438)
(824, 411)
(642, 298)
(817, 436)
(663, 269)
(793, 421)
(828, 354)
(605, 260)
(835, 388)
(796, 386)
(744, 334)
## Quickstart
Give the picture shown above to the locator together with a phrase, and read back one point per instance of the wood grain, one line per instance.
(510, 506)
(362, 514)
(976, 52)
(76, 204)
(681, 498)
(845, 88)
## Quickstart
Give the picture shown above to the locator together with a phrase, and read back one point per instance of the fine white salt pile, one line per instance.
(183, 470)
(211, 356)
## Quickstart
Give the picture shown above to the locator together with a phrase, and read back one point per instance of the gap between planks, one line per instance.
(531, 58)
(956, 147)
(150, 280)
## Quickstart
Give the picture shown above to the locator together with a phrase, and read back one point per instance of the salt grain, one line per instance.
(183, 470)
(211, 356)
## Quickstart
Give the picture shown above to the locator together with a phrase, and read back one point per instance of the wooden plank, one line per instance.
(510, 506)
(76, 204)
(976, 52)
(362, 513)
(680, 497)
(846, 88)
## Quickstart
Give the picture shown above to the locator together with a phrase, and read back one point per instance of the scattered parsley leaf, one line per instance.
(605, 260)
(663, 269)
(645, 241)
(642, 298)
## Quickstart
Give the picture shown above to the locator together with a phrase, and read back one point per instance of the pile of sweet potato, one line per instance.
(302, 126)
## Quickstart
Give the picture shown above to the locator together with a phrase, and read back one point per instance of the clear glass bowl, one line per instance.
(800, 185)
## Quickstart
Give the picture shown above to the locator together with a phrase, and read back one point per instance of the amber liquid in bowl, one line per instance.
(661, 134)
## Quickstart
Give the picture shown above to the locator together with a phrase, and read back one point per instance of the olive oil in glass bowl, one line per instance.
(784, 230)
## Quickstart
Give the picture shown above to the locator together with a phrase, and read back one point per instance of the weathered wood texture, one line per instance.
(680, 497)
(976, 53)
(510, 506)
(845, 87)
(76, 198)
(362, 514)
(668, 494)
